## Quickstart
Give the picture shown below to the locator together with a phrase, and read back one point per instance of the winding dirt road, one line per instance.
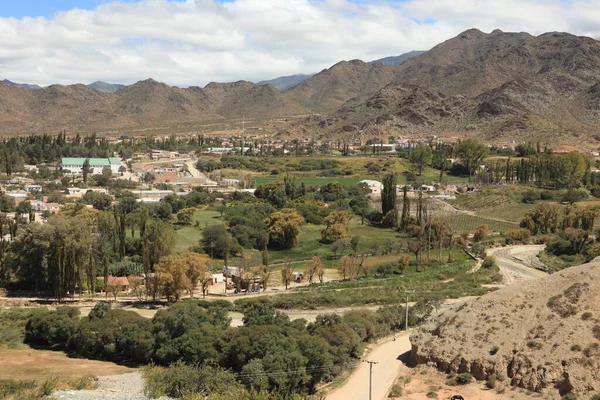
(516, 264)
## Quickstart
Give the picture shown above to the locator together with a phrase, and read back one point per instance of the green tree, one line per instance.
(420, 157)
(186, 215)
(337, 227)
(388, 195)
(86, 169)
(471, 153)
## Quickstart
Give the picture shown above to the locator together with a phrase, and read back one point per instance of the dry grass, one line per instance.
(38, 365)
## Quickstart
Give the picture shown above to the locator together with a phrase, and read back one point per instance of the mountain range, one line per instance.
(495, 85)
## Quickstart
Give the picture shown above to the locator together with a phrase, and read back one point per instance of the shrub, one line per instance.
(494, 350)
(180, 380)
(460, 379)
(432, 395)
(395, 391)
(481, 233)
(489, 262)
(518, 235)
(491, 381)
(52, 328)
(586, 315)
(569, 396)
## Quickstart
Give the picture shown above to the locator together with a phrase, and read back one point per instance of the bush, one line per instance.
(52, 328)
(489, 262)
(395, 390)
(180, 380)
(518, 235)
(460, 379)
(491, 381)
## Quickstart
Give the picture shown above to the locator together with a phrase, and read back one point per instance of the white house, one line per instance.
(375, 187)
(97, 165)
(32, 188)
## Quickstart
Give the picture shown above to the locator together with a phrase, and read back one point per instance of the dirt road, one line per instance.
(384, 372)
(517, 263)
(191, 167)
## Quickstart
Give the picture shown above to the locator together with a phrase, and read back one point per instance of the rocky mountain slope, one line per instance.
(285, 82)
(332, 87)
(397, 60)
(142, 105)
(498, 86)
(513, 86)
(542, 335)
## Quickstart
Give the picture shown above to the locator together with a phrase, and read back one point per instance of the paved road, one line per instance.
(516, 262)
(384, 372)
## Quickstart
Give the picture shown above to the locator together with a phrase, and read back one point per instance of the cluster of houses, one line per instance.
(375, 188)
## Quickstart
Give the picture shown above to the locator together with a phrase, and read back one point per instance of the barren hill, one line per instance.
(145, 104)
(542, 335)
(330, 88)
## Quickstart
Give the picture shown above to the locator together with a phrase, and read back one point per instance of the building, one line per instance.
(97, 165)
(152, 195)
(32, 188)
(375, 187)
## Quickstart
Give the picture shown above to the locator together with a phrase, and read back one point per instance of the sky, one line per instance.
(193, 42)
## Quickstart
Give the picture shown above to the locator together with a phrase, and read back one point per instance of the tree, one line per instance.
(354, 242)
(314, 268)
(284, 227)
(440, 225)
(163, 210)
(419, 157)
(86, 169)
(471, 153)
(337, 227)
(346, 267)
(217, 242)
(402, 262)
(287, 275)
(186, 215)
(180, 272)
(481, 233)
(388, 194)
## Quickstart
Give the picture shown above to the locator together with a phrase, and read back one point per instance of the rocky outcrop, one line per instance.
(541, 335)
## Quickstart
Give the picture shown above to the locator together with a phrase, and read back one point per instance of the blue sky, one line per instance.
(44, 8)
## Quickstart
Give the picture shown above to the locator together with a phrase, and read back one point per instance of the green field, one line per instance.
(432, 283)
(467, 223)
(189, 236)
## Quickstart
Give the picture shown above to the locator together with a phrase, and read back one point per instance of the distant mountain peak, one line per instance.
(105, 87)
(22, 85)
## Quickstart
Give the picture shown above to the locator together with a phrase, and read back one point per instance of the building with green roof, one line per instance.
(97, 165)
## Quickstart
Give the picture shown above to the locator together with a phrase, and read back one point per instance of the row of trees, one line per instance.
(269, 353)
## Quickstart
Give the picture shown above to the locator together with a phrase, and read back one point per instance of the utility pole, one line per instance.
(370, 375)
(407, 292)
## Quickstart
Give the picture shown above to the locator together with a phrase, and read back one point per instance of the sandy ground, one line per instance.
(29, 364)
(385, 371)
(516, 262)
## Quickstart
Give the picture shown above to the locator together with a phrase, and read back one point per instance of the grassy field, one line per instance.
(433, 283)
(354, 170)
(188, 236)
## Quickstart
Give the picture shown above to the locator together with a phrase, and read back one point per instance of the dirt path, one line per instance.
(517, 262)
(114, 387)
(385, 371)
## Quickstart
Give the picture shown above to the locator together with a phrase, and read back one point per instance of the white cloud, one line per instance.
(194, 42)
